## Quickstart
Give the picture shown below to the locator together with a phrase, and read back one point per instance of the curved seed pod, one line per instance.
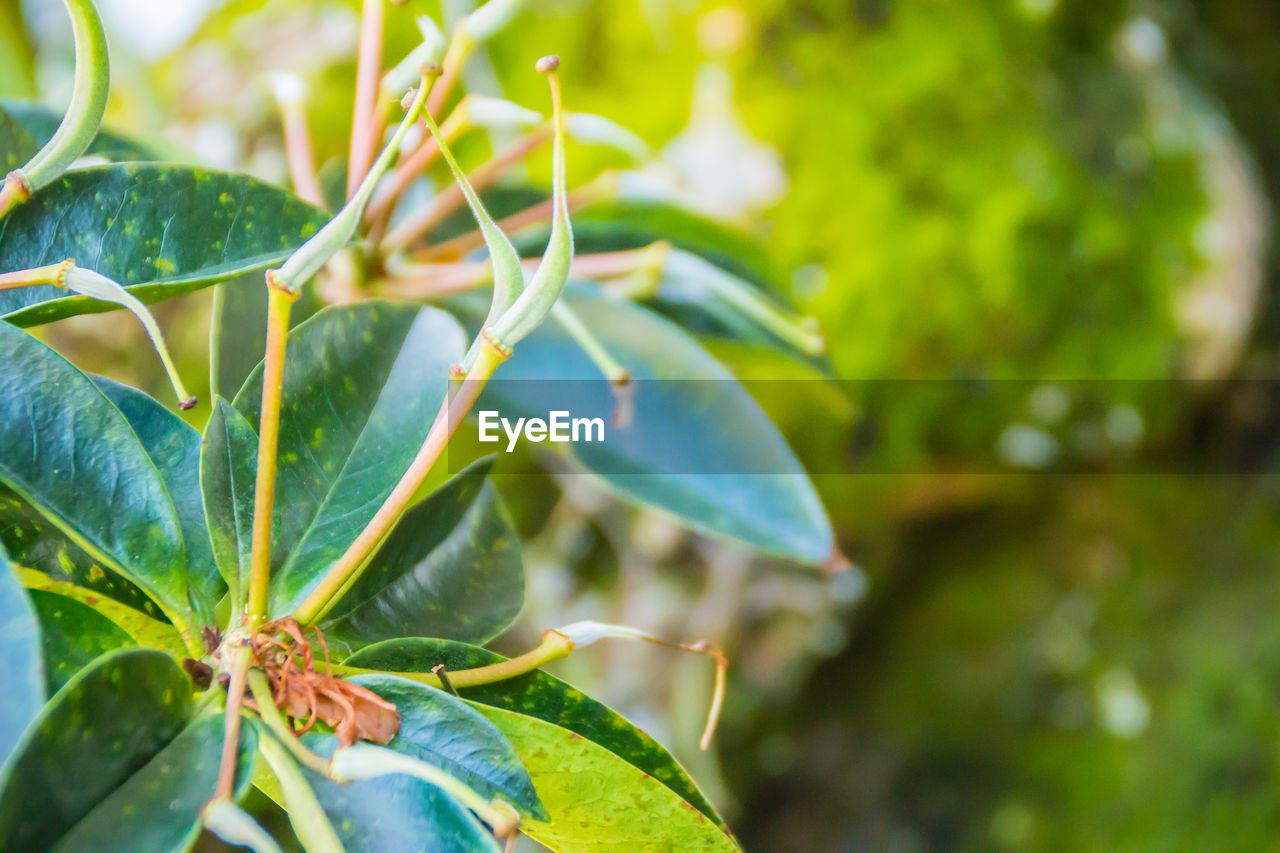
(548, 281)
(508, 277)
(89, 283)
(84, 114)
(338, 231)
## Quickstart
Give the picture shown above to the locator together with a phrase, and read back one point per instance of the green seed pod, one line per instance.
(89, 283)
(548, 281)
(84, 114)
(508, 276)
(338, 231)
(237, 827)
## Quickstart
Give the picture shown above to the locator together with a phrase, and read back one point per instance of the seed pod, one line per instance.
(338, 231)
(549, 279)
(89, 283)
(84, 114)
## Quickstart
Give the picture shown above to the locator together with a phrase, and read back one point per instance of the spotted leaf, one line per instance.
(102, 727)
(537, 694)
(451, 568)
(160, 230)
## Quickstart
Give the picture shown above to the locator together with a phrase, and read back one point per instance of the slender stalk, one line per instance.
(15, 191)
(215, 339)
(52, 274)
(368, 74)
(279, 304)
(409, 168)
(453, 409)
(306, 815)
(449, 200)
(231, 736)
(554, 646)
(431, 280)
(460, 48)
(297, 145)
(270, 714)
(457, 247)
(590, 344)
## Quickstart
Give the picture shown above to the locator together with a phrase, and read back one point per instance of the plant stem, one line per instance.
(275, 721)
(450, 199)
(554, 646)
(306, 816)
(231, 736)
(298, 152)
(368, 73)
(279, 304)
(215, 338)
(54, 274)
(457, 247)
(453, 409)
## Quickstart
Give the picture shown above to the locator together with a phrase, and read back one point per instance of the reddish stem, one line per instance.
(368, 73)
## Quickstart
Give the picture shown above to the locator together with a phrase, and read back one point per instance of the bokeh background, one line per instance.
(1062, 638)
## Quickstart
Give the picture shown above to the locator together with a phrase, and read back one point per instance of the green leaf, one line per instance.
(72, 635)
(442, 730)
(537, 694)
(362, 384)
(16, 144)
(174, 447)
(693, 448)
(103, 726)
(41, 122)
(144, 630)
(35, 543)
(157, 809)
(228, 472)
(160, 230)
(396, 814)
(71, 454)
(20, 663)
(598, 801)
(450, 568)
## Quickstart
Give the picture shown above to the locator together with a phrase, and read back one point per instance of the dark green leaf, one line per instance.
(394, 814)
(20, 665)
(693, 448)
(174, 447)
(16, 144)
(540, 695)
(103, 726)
(72, 635)
(443, 730)
(158, 808)
(71, 455)
(36, 543)
(598, 801)
(228, 471)
(362, 384)
(450, 568)
(41, 123)
(160, 230)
